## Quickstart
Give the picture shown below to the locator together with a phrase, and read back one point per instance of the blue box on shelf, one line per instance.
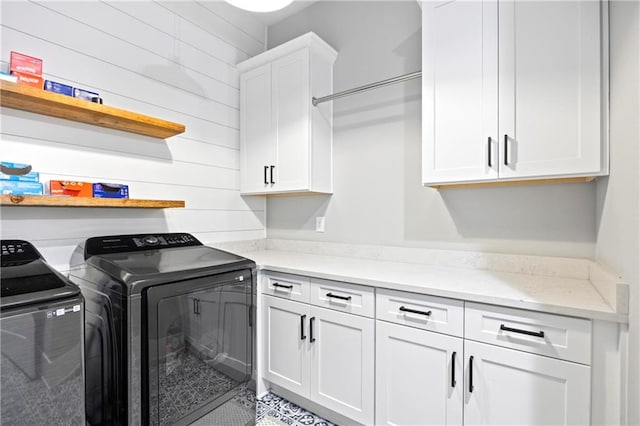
(87, 95)
(17, 172)
(110, 190)
(13, 187)
(54, 86)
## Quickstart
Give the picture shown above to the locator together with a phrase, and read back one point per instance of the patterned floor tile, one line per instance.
(272, 406)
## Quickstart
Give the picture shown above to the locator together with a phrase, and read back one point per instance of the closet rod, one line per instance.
(315, 101)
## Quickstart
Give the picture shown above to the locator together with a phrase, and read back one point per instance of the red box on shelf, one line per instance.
(69, 188)
(26, 64)
(28, 79)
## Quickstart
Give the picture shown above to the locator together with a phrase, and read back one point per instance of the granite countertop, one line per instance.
(571, 296)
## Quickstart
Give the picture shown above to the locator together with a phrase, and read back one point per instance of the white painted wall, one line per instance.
(378, 196)
(172, 60)
(618, 212)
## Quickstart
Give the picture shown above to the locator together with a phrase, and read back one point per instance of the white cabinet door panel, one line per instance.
(287, 356)
(418, 377)
(257, 136)
(291, 103)
(342, 357)
(459, 86)
(550, 88)
(516, 388)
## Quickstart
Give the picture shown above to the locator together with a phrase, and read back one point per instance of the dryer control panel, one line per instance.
(137, 242)
(17, 252)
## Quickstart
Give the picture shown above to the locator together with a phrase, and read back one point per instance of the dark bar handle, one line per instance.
(453, 370)
(506, 150)
(272, 167)
(489, 156)
(195, 310)
(335, 296)
(471, 374)
(266, 182)
(413, 311)
(311, 338)
(527, 332)
(278, 285)
(302, 318)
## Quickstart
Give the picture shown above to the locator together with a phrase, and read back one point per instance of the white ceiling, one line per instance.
(270, 18)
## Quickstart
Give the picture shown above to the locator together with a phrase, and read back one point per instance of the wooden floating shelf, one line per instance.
(53, 201)
(40, 101)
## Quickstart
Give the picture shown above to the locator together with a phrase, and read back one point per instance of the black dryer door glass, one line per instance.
(199, 345)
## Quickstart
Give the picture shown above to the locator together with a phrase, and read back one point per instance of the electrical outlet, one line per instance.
(320, 224)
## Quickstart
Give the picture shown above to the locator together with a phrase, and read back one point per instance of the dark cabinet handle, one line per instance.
(471, 374)
(278, 285)
(272, 167)
(266, 182)
(489, 159)
(413, 311)
(506, 150)
(311, 338)
(302, 318)
(335, 296)
(527, 332)
(453, 370)
(198, 306)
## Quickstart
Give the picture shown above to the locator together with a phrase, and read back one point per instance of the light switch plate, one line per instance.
(320, 224)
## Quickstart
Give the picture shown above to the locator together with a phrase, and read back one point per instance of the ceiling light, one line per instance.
(260, 5)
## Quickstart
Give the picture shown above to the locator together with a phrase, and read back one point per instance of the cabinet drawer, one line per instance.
(556, 336)
(287, 286)
(421, 311)
(345, 297)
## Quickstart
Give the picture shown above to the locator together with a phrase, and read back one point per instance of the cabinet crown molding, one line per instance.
(309, 40)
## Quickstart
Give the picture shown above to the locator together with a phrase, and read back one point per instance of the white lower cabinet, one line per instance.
(287, 355)
(423, 360)
(342, 357)
(320, 354)
(509, 387)
(419, 377)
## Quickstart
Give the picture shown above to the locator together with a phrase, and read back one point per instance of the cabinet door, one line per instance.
(257, 135)
(342, 355)
(287, 355)
(291, 104)
(459, 87)
(550, 88)
(418, 376)
(517, 388)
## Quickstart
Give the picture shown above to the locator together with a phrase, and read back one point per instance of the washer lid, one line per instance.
(143, 268)
(26, 278)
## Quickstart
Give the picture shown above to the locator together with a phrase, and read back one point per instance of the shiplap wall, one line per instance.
(171, 60)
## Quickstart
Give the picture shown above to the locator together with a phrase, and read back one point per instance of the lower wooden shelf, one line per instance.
(54, 201)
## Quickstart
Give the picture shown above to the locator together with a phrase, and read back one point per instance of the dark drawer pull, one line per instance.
(453, 370)
(311, 338)
(471, 374)
(278, 285)
(335, 296)
(528, 333)
(302, 335)
(413, 311)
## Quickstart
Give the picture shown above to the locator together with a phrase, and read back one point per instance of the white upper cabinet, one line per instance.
(460, 90)
(285, 141)
(513, 90)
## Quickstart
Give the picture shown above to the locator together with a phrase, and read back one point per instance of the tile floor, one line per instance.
(239, 411)
(271, 408)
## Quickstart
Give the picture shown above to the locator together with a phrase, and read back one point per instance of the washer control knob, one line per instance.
(151, 241)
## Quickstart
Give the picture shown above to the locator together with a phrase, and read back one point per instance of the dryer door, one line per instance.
(198, 346)
(42, 364)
